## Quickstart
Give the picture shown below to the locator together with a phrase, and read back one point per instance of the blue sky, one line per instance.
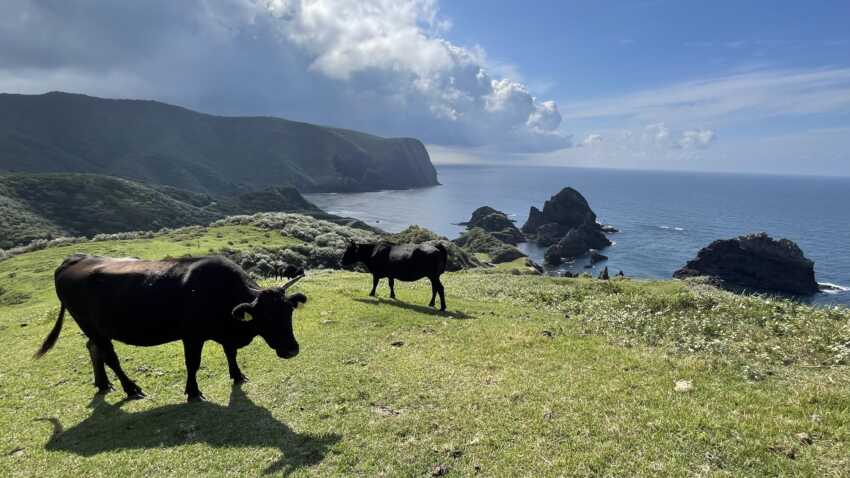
(744, 86)
(598, 48)
(595, 51)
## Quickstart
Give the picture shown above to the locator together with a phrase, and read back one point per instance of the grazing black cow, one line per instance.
(148, 303)
(405, 262)
(287, 271)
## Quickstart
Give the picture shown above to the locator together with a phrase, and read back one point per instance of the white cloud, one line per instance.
(545, 116)
(656, 133)
(741, 97)
(382, 66)
(699, 138)
(591, 139)
(659, 135)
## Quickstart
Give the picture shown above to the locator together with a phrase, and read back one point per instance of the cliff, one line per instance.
(164, 144)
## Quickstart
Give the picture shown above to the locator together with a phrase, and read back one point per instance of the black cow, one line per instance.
(287, 271)
(405, 262)
(148, 303)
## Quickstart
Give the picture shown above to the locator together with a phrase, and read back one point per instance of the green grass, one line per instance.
(525, 376)
(46, 206)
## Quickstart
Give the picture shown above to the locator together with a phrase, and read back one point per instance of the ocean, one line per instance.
(664, 217)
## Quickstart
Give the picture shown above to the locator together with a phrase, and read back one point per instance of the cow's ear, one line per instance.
(242, 312)
(297, 298)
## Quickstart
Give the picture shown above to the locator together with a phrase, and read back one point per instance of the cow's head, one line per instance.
(350, 257)
(271, 315)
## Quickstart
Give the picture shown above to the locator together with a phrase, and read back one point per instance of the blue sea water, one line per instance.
(664, 217)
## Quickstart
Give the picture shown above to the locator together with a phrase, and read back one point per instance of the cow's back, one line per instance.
(410, 262)
(133, 301)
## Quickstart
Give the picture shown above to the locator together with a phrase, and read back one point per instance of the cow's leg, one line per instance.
(107, 352)
(392, 288)
(375, 280)
(442, 291)
(433, 291)
(101, 381)
(192, 351)
(235, 373)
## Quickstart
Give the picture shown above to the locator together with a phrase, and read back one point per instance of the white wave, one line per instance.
(672, 228)
(830, 288)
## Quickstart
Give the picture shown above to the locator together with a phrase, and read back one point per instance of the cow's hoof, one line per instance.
(196, 398)
(137, 395)
(103, 390)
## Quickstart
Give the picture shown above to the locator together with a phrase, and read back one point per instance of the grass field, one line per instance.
(524, 376)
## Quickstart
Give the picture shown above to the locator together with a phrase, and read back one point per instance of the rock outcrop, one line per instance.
(577, 242)
(754, 261)
(596, 256)
(568, 208)
(496, 223)
(567, 225)
(480, 241)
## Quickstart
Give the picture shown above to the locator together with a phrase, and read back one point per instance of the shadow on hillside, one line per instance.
(422, 309)
(239, 424)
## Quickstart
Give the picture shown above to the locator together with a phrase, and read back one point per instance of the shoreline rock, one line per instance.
(567, 225)
(568, 208)
(596, 256)
(496, 223)
(481, 241)
(754, 261)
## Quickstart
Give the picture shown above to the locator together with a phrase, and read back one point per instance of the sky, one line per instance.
(754, 86)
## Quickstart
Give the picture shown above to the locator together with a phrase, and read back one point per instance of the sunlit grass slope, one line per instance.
(525, 376)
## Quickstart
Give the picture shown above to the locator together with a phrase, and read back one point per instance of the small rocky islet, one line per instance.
(754, 262)
(567, 225)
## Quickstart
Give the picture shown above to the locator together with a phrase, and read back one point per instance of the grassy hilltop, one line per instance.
(50, 205)
(525, 376)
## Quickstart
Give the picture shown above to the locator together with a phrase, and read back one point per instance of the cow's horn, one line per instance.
(291, 283)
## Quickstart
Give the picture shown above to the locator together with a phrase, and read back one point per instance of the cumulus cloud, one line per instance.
(382, 66)
(659, 135)
(698, 138)
(656, 133)
(591, 139)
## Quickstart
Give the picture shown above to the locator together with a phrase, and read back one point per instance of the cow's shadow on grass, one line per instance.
(422, 309)
(239, 424)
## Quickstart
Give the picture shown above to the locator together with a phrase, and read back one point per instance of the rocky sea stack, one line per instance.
(496, 223)
(567, 225)
(755, 261)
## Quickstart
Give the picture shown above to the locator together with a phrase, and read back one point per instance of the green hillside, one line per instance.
(524, 376)
(159, 143)
(44, 206)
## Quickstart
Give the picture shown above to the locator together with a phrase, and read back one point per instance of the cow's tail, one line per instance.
(445, 255)
(53, 336)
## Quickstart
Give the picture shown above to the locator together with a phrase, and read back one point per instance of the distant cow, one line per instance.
(405, 262)
(148, 303)
(287, 271)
